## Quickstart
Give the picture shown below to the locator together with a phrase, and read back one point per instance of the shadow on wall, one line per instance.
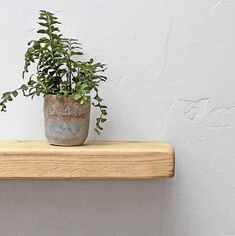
(81, 207)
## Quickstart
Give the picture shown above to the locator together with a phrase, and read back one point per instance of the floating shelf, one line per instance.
(93, 160)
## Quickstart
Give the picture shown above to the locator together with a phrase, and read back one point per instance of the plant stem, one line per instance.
(52, 49)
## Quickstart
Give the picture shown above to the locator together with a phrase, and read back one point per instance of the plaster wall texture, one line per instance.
(171, 78)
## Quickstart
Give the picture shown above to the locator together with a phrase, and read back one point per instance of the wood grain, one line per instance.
(94, 160)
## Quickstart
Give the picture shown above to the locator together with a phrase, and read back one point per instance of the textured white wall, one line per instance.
(171, 77)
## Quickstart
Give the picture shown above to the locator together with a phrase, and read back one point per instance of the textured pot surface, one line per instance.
(66, 121)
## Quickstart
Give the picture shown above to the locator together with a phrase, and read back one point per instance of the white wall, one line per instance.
(171, 77)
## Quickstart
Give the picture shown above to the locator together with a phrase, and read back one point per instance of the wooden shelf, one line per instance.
(93, 160)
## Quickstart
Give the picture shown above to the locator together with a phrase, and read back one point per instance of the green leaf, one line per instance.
(32, 82)
(77, 96)
(9, 98)
(95, 105)
(97, 131)
(102, 120)
(43, 32)
(43, 24)
(24, 87)
(5, 95)
(55, 29)
(103, 106)
(15, 93)
(98, 98)
(42, 18)
(55, 22)
(76, 53)
(98, 126)
(104, 112)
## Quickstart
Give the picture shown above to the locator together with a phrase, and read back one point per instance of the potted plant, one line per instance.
(64, 81)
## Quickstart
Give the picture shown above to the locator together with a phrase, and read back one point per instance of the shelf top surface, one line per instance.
(89, 145)
(95, 159)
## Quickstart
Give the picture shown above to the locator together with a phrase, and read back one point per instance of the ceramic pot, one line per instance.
(66, 120)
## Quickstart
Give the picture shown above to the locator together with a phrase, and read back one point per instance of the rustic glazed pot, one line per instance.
(66, 120)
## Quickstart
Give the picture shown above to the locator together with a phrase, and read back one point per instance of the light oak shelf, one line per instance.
(93, 160)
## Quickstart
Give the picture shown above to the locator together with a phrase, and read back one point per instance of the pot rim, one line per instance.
(64, 98)
(54, 95)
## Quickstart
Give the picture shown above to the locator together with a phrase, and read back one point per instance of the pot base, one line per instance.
(64, 144)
